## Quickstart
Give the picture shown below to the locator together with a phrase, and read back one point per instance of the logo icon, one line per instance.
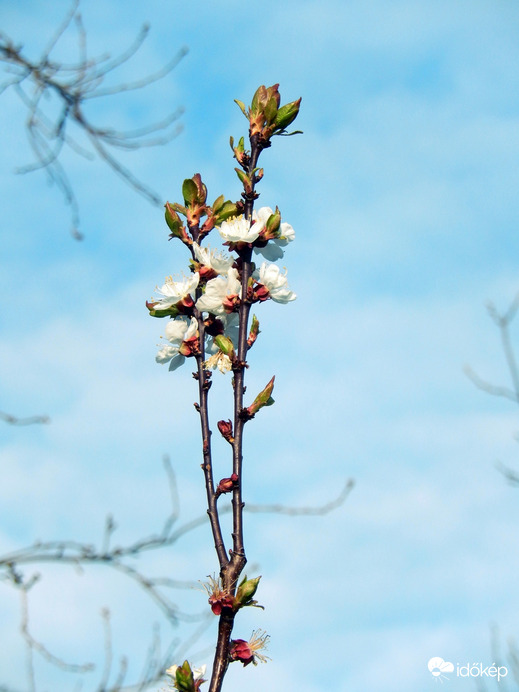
(438, 667)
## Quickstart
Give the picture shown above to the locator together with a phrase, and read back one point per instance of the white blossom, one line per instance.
(239, 230)
(218, 261)
(218, 360)
(271, 277)
(216, 291)
(272, 250)
(178, 330)
(175, 291)
(181, 329)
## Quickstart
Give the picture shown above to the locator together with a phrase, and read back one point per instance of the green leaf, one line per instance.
(271, 110)
(244, 178)
(264, 398)
(227, 210)
(189, 191)
(287, 114)
(218, 204)
(241, 106)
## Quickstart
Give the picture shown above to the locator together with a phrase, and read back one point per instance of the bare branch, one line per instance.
(503, 322)
(494, 390)
(34, 645)
(72, 85)
(142, 83)
(108, 653)
(305, 511)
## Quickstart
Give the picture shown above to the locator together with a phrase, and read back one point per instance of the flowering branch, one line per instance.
(209, 315)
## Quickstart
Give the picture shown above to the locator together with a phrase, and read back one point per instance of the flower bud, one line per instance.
(227, 484)
(225, 428)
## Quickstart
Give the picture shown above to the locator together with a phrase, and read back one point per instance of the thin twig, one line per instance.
(73, 85)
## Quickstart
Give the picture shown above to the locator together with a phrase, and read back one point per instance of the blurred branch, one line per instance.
(306, 511)
(31, 420)
(508, 660)
(503, 322)
(55, 95)
(34, 645)
(81, 554)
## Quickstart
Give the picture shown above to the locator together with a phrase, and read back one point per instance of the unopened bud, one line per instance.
(227, 484)
(225, 428)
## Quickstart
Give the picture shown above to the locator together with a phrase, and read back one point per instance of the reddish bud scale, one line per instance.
(225, 428)
(227, 484)
(206, 273)
(231, 303)
(261, 293)
(191, 347)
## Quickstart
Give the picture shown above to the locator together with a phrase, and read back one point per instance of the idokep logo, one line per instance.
(439, 667)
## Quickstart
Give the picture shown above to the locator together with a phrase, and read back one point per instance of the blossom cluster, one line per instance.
(212, 293)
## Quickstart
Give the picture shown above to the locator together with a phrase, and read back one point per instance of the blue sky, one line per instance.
(403, 195)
